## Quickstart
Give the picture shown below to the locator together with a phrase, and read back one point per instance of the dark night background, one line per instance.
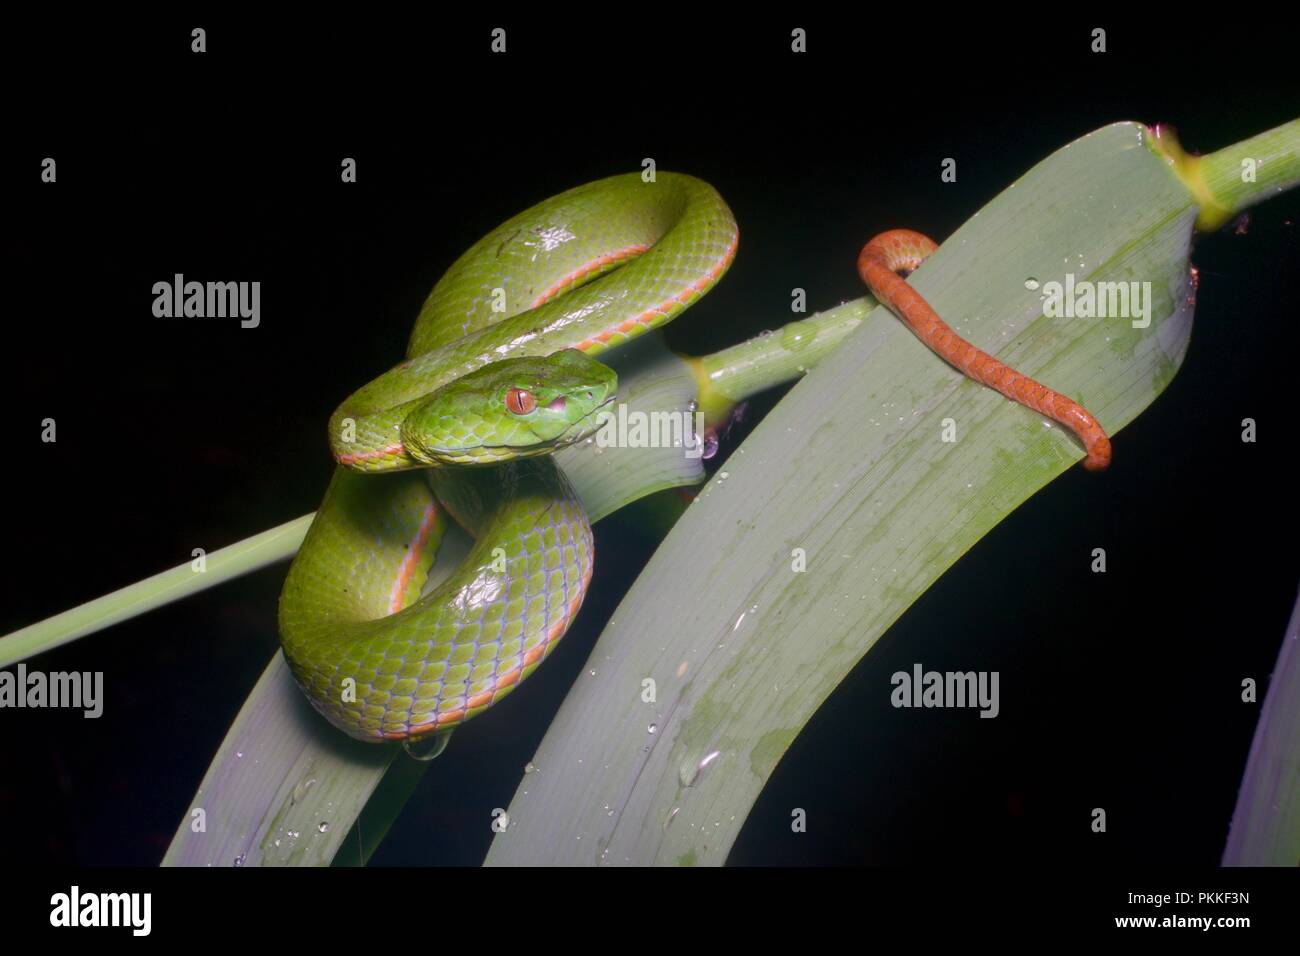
(177, 434)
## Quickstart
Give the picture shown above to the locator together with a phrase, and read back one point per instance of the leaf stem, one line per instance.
(1236, 177)
(772, 358)
(241, 558)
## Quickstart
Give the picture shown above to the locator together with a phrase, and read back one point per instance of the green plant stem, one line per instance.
(238, 559)
(1234, 178)
(773, 358)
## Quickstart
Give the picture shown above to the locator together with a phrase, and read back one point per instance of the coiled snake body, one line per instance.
(483, 386)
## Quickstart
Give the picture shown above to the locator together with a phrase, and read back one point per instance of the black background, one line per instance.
(1119, 690)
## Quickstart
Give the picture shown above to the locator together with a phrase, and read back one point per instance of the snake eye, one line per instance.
(520, 401)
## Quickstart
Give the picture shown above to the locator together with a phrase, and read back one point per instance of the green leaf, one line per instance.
(849, 471)
(1266, 823)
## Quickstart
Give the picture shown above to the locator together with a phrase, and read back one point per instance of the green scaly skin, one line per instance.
(468, 421)
(379, 659)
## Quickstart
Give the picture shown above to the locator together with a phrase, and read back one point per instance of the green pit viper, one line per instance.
(500, 371)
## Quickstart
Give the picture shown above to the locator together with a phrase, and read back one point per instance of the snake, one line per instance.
(902, 251)
(500, 371)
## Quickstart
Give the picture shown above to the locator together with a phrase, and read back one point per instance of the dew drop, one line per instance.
(426, 748)
(323, 827)
(1031, 283)
(653, 728)
(301, 789)
(689, 772)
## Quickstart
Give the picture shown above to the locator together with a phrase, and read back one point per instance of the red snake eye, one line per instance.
(520, 401)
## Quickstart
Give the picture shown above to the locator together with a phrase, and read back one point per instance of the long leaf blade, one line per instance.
(850, 469)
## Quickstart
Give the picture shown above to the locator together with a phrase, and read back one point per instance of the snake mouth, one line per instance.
(583, 427)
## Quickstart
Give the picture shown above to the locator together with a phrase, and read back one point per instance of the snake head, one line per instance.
(514, 408)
